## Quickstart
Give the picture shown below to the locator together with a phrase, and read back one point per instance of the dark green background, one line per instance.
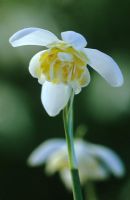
(104, 110)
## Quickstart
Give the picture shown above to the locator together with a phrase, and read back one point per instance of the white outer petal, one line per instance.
(54, 97)
(42, 153)
(33, 36)
(111, 160)
(34, 64)
(75, 39)
(105, 66)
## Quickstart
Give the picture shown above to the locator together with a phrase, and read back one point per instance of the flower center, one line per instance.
(63, 64)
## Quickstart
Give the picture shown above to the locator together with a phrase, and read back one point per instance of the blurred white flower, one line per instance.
(62, 67)
(95, 162)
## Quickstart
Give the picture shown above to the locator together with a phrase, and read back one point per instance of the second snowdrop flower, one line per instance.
(95, 162)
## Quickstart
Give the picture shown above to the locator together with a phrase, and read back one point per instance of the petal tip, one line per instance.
(118, 80)
(11, 41)
(51, 113)
(31, 162)
(54, 97)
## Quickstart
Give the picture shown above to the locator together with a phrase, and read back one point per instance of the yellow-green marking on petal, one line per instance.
(64, 64)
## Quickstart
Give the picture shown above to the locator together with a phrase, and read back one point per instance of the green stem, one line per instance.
(68, 126)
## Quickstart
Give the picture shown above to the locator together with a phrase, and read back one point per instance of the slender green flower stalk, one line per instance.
(68, 126)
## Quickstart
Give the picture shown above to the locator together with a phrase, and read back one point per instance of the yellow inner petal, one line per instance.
(62, 70)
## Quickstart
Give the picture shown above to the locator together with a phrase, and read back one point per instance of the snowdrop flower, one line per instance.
(63, 66)
(95, 162)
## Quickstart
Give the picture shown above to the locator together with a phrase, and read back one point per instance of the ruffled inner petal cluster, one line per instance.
(64, 64)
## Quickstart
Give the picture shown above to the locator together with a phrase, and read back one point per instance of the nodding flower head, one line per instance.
(63, 66)
(95, 162)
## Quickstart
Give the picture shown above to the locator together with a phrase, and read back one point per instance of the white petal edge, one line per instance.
(75, 39)
(42, 153)
(54, 97)
(66, 178)
(109, 158)
(33, 36)
(105, 66)
(34, 66)
(86, 75)
(83, 82)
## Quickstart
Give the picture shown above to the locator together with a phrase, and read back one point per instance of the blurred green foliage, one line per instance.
(104, 110)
